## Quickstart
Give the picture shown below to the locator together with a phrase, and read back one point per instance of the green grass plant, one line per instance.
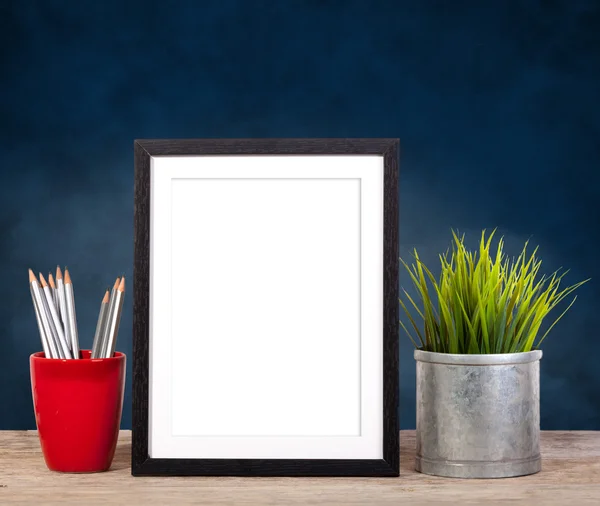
(483, 302)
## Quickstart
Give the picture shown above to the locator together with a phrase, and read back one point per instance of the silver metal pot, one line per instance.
(478, 416)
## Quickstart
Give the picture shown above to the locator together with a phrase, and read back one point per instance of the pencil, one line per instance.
(114, 319)
(54, 292)
(106, 330)
(38, 319)
(59, 349)
(38, 299)
(97, 346)
(62, 304)
(56, 325)
(71, 314)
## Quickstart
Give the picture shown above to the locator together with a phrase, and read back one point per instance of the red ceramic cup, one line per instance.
(78, 405)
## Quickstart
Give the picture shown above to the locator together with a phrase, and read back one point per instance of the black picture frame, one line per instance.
(141, 463)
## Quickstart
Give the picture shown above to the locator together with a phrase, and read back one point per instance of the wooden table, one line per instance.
(570, 476)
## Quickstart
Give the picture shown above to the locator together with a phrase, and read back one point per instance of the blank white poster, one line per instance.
(268, 292)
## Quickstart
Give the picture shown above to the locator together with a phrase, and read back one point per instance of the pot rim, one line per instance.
(483, 359)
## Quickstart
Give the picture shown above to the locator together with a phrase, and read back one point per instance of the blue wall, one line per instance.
(496, 105)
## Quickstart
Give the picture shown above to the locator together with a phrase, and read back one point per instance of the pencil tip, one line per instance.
(58, 272)
(122, 285)
(106, 298)
(67, 276)
(51, 280)
(116, 285)
(42, 280)
(32, 276)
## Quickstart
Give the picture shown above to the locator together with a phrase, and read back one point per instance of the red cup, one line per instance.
(78, 406)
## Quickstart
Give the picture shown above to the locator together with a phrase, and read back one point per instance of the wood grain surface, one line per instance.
(570, 476)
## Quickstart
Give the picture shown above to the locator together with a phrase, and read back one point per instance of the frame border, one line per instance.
(141, 463)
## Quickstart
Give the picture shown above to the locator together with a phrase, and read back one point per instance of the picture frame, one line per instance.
(265, 312)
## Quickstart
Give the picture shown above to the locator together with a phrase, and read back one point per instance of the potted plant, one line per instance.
(477, 359)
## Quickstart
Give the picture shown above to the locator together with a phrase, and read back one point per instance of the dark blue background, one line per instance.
(496, 105)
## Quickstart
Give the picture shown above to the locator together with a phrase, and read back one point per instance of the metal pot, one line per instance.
(478, 416)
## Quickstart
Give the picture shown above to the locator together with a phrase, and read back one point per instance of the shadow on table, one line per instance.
(122, 458)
